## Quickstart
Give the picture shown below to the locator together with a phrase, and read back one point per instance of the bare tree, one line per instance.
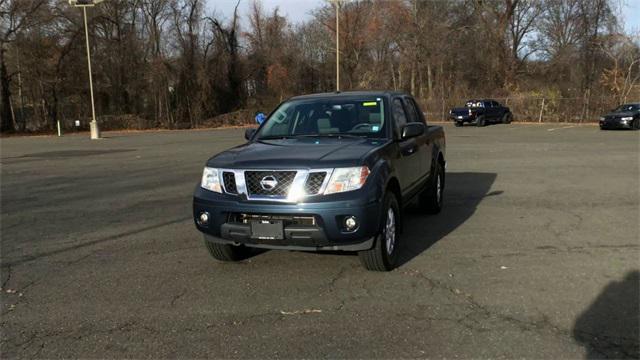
(16, 16)
(176, 63)
(624, 72)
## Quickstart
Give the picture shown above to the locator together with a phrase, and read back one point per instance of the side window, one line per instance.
(412, 115)
(414, 111)
(399, 115)
(495, 104)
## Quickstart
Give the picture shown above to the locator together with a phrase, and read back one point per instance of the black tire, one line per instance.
(227, 253)
(636, 124)
(506, 119)
(432, 200)
(458, 123)
(480, 122)
(380, 258)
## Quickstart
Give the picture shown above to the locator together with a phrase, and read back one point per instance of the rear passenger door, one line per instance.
(425, 145)
(497, 111)
(490, 111)
(500, 111)
(408, 161)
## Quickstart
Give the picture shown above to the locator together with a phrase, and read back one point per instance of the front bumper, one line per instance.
(616, 124)
(462, 118)
(326, 234)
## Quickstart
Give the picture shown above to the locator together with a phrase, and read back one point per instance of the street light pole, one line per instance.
(337, 45)
(93, 125)
(95, 130)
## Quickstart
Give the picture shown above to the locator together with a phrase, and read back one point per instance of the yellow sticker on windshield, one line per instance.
(369, 103)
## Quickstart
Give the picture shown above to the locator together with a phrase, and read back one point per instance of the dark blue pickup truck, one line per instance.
(481, 113)
(324, 172)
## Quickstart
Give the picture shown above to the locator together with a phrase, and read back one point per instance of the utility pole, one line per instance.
(93, 125)
(337, 3)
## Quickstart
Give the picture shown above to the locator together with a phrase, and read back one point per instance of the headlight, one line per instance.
(628, 118)
(211, 180)
(347, 179)
(601, 118)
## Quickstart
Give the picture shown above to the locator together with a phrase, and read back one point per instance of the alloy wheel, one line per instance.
(390, 231)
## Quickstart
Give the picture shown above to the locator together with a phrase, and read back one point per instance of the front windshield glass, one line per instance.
(628, 107)
(363, 117)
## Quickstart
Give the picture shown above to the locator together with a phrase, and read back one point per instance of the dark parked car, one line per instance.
(324, 172)
(625, 116)
(481, 113)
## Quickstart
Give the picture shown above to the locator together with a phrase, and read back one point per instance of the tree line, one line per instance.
(178, 63)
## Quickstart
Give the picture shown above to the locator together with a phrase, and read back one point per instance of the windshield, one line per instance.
(326, 117)
(628, 107)
(474, 103)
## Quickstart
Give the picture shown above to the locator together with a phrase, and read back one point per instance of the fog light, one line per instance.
(204, 218)
(350, 223)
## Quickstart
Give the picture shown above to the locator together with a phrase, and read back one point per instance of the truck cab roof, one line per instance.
(367, 93)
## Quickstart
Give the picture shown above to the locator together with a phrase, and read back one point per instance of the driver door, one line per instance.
(408, 158)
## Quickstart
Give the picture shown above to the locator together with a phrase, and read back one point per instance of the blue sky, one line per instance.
(299, 10)
(296, 10)
(631, 12)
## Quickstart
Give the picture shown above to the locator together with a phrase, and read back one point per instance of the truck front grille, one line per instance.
(261, 182)
(314, 182)
(229, 180)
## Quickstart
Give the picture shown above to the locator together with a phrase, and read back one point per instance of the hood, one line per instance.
(303, 153)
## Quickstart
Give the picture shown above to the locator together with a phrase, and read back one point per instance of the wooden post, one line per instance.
(541, 111)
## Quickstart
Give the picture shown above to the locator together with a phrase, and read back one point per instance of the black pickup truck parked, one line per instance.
(324, 172)
(481, 113)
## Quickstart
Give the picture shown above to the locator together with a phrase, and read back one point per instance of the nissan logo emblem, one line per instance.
(268, 182)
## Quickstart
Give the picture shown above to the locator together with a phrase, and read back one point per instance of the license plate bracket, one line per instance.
(267, 230)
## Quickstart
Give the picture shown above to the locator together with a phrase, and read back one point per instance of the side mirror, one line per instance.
(248, 134)
(412, 130)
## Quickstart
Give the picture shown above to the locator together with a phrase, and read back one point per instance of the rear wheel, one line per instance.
(227, 253)
(384, 255)
(431, 200)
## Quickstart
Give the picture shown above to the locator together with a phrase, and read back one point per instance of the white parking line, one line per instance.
(560, 128)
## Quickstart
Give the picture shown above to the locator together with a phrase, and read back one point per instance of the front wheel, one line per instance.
(480, 122)
(384, 255)
(506, 119)
(636, 124)
(458, 123)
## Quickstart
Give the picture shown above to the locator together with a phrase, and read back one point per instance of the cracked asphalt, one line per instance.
(536, 255)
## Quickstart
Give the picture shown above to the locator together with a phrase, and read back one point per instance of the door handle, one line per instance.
(409, 150)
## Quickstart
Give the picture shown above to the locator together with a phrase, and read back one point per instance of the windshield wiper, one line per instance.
(280, 137)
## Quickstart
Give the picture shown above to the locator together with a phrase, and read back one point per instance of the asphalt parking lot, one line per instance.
(536, 254)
